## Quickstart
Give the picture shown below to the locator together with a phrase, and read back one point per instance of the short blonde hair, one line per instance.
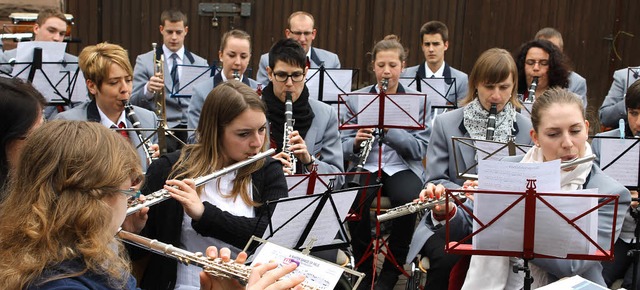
(96, 60)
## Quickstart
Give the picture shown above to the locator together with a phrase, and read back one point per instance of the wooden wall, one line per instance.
(351, 27)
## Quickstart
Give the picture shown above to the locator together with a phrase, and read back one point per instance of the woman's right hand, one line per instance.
(362, 135)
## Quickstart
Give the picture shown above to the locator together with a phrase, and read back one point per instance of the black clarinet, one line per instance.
(491, 122)
(532, 90)
(135, 122)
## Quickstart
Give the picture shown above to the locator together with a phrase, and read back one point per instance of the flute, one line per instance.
(416, 206)
(563, 165)
(162, 194)
(214, 267)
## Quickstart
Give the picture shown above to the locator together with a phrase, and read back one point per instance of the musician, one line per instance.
(108, 75)
(621, 266)
(560, 131)
(540, 58)
(234, 55)
(315, 140)
(301, 28)
(493, 80)
(51, 25)
(613, 108)
(434, 43)
(577, 83)
(225, 212)
(402, 154)
(21, 106)
(174, 27)
(60, 217)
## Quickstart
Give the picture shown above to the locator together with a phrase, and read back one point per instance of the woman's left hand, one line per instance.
(184, 191)
(134, 223)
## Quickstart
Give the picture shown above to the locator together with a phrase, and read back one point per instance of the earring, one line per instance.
(537, 145)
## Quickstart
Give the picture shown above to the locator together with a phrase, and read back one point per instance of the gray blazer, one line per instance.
(89, 112)
(440, 155)
(176, 108)
(323, 138)
(613, 107)
(462, 81)
(11, 54)
(200, 93)
(318, 56)
(578, 86)
(411, 145)
(557, 268)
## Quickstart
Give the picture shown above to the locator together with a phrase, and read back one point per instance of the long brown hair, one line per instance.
(56, 210)
(223, 104)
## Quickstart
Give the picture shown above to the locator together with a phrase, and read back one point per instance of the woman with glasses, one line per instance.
(225, 212)
(541, 58)
(314, 141)
(21, 106)
(59, 220)
(402, 169)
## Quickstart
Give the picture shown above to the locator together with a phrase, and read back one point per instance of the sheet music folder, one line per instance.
(529, 198)
(484, 150)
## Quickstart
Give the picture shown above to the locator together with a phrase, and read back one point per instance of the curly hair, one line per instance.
(57, 210)
(558, 73)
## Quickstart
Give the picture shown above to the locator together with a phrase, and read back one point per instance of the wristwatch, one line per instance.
(313, 160)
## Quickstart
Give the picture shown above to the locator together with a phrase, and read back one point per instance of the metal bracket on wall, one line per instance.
(224, 9)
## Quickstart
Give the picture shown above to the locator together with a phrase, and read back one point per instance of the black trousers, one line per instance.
(400, 188)
(621, 266)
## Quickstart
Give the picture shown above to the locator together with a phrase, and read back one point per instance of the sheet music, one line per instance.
(409, 82)
(438, 90)
(190, 76)
(499, 149)
(625, 169)
(331, 90)
(507, 232)
(405, 114)
(318, 273)
(324, 230)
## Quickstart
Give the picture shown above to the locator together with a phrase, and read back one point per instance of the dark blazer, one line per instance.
(176, 108)
(318, 56)
(165, 219)
(200, 93)
(89, 112)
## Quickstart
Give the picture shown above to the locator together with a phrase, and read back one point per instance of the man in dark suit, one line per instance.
(434, 44)
(174, 28)
(301, 28)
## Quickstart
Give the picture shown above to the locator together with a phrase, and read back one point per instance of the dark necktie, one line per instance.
(174, 72)
(308, 63)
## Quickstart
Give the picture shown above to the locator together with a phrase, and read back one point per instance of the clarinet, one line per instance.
(135, 122)
(214, 267)
(162, 194)
(288, 128)
(236, 75)
(532, 90)
(416, 206)
(491, 122)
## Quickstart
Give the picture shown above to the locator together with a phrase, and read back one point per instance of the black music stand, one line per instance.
(438, 90)
(484, 150)
(526, 106)
(192, 76)
(366, 110)
(618, 167)
(530, 198)
(633, 74)
(327, 83)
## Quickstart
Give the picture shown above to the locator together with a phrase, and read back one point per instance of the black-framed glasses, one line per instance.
(299, 33)
(532, 62)
(296, 77)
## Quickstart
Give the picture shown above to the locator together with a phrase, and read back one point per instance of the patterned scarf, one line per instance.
(475, 121)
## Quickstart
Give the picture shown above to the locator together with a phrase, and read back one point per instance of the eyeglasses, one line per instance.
(296, 77)
(131, 193)
(532, 62)
(299, 33)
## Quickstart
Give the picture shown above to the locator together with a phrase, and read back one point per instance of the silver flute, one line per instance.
(162, 194)
(214, 267)
(417, 206)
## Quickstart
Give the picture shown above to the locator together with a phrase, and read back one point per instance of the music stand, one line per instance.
(529, 250)
(381, 111)
(441, 91)
(619, 157)
(632, 72)
(325, 84)
(526, 106)
(484, 150)
(190, 76)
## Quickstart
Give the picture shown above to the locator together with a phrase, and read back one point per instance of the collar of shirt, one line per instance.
(168, 53)
(105, 121)
(437, 74)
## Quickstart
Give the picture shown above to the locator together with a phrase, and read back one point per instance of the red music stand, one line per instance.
(372, 115)
(530, 197)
